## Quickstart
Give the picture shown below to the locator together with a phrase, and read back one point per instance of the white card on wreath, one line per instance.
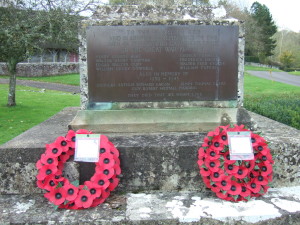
(87, 147)
(240, 145)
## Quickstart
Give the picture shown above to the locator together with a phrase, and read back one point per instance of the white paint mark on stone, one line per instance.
(286, 205)
(23, 207)
(176, 208)
(144, 216)
(145, 210)
(293, 192)
(117, 218)
(252, 212)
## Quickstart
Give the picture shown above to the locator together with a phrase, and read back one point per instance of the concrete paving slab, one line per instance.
(187, 207)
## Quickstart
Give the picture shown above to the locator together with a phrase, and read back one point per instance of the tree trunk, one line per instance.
(12, 66)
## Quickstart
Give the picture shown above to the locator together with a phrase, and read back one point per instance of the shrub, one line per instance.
(283, 108)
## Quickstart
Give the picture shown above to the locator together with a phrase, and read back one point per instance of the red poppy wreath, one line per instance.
(65, 194)
(234, 180)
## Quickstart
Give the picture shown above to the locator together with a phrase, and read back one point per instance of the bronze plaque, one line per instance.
(162, 63)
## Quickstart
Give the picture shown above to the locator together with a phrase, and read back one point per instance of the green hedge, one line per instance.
(283, 108)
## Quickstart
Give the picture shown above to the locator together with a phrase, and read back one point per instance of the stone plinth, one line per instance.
(165, 161)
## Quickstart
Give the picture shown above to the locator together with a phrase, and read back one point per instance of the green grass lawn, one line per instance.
(33, 107)
(295, 73)
(272, 99)
(257, 68)
(70, 79)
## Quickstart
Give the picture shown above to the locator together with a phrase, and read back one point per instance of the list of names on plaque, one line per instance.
(162, 63)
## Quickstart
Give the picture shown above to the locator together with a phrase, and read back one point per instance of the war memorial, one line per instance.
(155, 81)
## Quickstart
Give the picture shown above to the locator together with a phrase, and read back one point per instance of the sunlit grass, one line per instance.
(70, 79)
(33, 107)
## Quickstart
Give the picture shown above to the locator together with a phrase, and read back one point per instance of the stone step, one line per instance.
(164, 161)
(279, 206)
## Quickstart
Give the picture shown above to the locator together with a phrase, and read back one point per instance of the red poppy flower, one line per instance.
(223, 128)
(207, 142)
(253, 186)
(98, 201)
(105, 193)
(45, 171)
(256, 140)
(206, 182)
(108, 173)
(93, 188)
(63, 143)
(217, 143)
(117, 169)
(213, 133)
(224, 183)
(83, 131)
(212, 154)
(261, 180)
(262, 148)
(71, 138)
(266, 158)
(245, 192)
(52, 181)
(204, 172)
(84, 199)
(200, 163)
(217, 175)
(57, 196)
(39, 164)
(117, 160)
(69, 205)
(71, 191)
(64, 157)
(266, 168)
(222, 138)
(227, 158)
(114, 181)
(201, 153)
(100, 180)
(53, 150)
(114, 151)
(241, 173)
(230, 168)
(49, 160)
(235, 188)
(106, 160)
(40, 184)
(249, 164)
(222, 195)
(265, 188)
(212, 165)
(215, 188)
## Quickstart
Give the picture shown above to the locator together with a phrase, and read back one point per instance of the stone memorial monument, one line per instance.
(159, 75)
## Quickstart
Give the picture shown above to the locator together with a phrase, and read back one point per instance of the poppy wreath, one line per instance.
(71, 195)
(234, 180)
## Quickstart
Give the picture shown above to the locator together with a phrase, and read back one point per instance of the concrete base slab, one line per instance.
(159, 208)
(154, 120)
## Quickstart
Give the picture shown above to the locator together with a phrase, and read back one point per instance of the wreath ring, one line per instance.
(70, 195)
(234, 180)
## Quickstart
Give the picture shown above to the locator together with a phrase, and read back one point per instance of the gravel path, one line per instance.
(45, 85)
